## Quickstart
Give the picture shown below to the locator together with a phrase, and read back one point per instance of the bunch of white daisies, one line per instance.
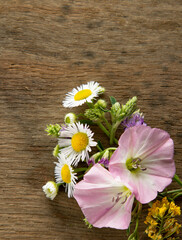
(75, 140)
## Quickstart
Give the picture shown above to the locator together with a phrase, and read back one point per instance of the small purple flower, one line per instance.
(91, 161)
(135, 120)
(104, 161)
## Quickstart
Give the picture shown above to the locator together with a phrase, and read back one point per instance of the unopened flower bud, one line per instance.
(130, 106)
(50, 189)
(100, 103)
(56, 151)
(70, 118)
(93, 114)
(53, 130)
(101, 90)
(116, 107)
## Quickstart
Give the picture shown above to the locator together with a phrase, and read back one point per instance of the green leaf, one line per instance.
(100, 145)
(113, 100)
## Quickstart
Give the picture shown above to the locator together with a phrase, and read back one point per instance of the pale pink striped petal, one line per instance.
(97, 194)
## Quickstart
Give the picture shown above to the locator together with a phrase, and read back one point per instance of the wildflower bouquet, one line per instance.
(112, 184)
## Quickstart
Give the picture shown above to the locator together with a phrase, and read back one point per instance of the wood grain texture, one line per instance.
(131, 47)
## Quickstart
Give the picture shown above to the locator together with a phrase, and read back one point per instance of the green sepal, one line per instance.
(104, 109)
(87, 223)
(113, 100)
(56, 151)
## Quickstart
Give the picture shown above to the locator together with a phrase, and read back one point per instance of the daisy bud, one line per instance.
(100, 103)
(115, 111)
(116, 107)
(70, 118)
(53, 130)
(101, 90)
(129, 107)
(50, 189)
(93, 114)
(56, 151)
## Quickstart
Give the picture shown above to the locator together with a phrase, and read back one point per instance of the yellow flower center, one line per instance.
(65, 174)
(79, 141)
(85, 93)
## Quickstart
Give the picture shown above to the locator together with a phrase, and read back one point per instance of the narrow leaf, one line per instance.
(100, 145)
(113, 100)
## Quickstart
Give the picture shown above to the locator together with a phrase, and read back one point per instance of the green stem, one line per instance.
(161, 226)
(90, 105)
(177, 195)
(99, 148)
(113, 132)
(107, 123)
(162, 195)
(111, 149)
(76, 170)
(59, 184)
(176, 178)
(174, 191)
(134, 235)
(80, 115)
(170, 192)
(103, 128)
(106, 131)
(135, 209)
(80, 176)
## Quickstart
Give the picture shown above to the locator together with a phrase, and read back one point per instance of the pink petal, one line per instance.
(155, 149)
(160, 162)
(146, 187)
(95, 195)
(147, 139)
(118, 216)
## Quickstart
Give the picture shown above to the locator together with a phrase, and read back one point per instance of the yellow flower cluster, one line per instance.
(161, 222)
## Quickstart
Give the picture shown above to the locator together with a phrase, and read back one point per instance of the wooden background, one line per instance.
(131, 47)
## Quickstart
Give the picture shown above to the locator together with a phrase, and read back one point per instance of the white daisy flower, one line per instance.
(80, 95)
(50, 189)
(76, 141)
(64, 173)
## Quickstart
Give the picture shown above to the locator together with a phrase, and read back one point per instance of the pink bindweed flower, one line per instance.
(144, 160)
(104, 200)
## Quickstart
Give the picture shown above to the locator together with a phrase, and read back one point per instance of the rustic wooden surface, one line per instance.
(131, 47)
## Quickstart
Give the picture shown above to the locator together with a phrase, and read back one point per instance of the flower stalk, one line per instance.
(176, 178)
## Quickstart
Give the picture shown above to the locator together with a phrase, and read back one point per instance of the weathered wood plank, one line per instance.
(47, 48)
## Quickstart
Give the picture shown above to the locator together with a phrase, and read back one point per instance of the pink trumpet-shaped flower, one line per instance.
(144, 160)
(104, 200)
